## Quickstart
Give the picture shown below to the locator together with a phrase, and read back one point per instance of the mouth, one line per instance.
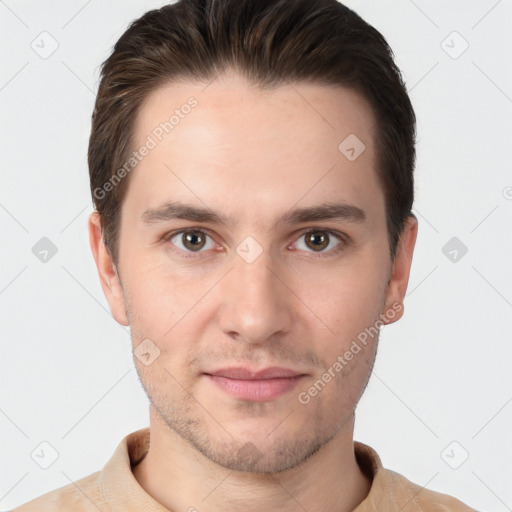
(256, 386)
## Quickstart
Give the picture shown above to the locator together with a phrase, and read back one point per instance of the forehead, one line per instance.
(231, 145)
(231, 110)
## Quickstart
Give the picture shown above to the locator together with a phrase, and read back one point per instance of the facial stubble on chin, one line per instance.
(281, 455)
(182, 417)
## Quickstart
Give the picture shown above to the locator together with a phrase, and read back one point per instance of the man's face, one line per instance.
(254, 293)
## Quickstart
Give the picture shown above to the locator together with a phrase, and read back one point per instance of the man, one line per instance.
(251, 164)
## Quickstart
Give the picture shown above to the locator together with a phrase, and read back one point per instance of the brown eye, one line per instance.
(191, 240)
(320, 241)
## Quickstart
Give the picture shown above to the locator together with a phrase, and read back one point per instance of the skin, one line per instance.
(253, 155)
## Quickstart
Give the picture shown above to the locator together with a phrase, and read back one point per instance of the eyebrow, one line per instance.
(326, 211)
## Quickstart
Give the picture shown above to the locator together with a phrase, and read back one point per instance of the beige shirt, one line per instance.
(115, 489)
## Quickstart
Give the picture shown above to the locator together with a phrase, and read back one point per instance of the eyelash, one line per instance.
(188, 254)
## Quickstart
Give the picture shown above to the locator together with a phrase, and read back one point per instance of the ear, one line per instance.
(399, 278)
(107, 271)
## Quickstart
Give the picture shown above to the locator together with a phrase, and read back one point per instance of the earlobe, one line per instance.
(399, 279)
(109, 277)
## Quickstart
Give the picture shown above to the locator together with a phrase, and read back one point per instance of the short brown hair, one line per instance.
(271, 42)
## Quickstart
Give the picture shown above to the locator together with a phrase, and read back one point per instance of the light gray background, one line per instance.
(443, 371)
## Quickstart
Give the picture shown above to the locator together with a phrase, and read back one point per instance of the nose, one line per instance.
(256, 303)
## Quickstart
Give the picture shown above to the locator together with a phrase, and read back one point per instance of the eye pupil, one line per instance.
(195, 240)
(190, 238)
(323, 240)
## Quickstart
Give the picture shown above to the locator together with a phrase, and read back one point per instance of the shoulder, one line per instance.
(83, 495)
(413, 497)
(391, 491)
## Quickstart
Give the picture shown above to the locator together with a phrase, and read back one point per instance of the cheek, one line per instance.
(151, 300)
(350, 308)
(162, 306)
(348, 295)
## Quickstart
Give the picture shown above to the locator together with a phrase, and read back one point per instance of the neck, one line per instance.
(180, 478)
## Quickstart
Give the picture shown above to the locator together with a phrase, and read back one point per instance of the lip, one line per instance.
(255, 385)
(242, 373)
